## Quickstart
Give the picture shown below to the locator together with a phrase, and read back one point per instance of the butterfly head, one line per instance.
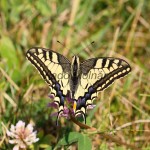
(75, 66)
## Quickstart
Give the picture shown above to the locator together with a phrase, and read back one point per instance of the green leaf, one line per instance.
(84, 143)
(49, 148)
(9, 55)
(147, 148)
(103, 146)
(43, 8)
(41, 134)
(47, 139)
(7, 51)
(69, 138)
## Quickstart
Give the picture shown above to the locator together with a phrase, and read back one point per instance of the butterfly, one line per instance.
(82, 80)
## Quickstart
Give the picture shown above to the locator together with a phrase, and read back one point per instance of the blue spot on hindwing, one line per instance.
(91, 90)
(87, 96)
(59, 93)
(57, 86)
(82, 100)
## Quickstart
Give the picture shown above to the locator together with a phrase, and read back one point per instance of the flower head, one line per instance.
(22, 136)
(69, 110)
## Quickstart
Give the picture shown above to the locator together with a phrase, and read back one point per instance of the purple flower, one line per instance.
(91, 106)
(51, 96)
(69, 99)
(67, 111)
(52, 104)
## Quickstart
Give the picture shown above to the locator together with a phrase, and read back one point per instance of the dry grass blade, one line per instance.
(45, 33)
(9, 79)
(118, 141)
(134, 106)
(27, 92)
(114, 44)
(75, 5)
(6, 96)
(4, 129)
(133, 28)
(129, 124)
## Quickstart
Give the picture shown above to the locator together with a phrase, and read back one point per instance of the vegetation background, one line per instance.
(119, 29)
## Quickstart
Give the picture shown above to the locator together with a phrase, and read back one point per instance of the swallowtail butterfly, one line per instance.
(83, 80)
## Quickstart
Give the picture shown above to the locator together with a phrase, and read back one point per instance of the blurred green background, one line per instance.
(119, 29)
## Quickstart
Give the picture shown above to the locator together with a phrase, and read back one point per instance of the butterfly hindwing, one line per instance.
(96, 75)
(54, 69)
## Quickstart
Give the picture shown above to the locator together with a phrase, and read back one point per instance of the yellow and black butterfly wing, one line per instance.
(96, 75)
(55, 70)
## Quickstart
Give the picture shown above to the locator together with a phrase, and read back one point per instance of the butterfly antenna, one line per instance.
(61, 44)
(92, 43)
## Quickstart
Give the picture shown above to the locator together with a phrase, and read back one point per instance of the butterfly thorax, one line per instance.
(75, 72)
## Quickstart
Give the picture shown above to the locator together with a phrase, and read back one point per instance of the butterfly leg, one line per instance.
(58, 116)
